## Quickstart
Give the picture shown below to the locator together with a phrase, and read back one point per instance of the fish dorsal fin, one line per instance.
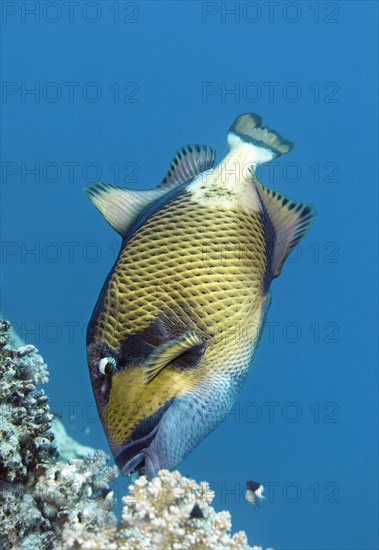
(164, 354)
(290, 220)
(189, 162)
(118, 205)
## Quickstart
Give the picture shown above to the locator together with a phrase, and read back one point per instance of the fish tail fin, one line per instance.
(266, 143)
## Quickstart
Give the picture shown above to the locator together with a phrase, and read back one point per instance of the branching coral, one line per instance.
(41, 495)
(49, 502)
(159, 515)
(25, 416)
(76, 493)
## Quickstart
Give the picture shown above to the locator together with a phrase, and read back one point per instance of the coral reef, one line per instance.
(25, 416)
(41, 493)
(56, 493)
(158, 514)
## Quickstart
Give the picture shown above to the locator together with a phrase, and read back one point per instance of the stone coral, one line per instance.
(158, 515)
(40, 494)
(49, 502)
(25, 416)
(76, 493)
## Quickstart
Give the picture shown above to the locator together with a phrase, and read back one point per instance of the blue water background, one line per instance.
(306, 420)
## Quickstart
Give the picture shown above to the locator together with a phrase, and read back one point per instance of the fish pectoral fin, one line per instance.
(118, 205)
(188, 162)
(290, 222)
(167, 352)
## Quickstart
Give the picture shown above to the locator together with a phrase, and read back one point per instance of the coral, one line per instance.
(159, 514)
(24, 412)
(56, 493)
(42, 495)
(76, 492)
(22, 524)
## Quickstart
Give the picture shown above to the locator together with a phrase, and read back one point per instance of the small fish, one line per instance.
(181, 313)
(254, 492)
(196, 512)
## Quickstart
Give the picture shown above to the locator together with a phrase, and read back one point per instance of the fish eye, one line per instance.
(107, 365)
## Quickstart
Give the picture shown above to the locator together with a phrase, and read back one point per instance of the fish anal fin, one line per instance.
(290, 222)
(189, 162)
(167, 352)
(118, 205)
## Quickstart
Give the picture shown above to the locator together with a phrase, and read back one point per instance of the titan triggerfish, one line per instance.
(181, 313)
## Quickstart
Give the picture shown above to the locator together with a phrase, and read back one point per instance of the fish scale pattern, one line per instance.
(202, 266)
(203, 263)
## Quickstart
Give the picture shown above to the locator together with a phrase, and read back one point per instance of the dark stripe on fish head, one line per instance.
(130, 408)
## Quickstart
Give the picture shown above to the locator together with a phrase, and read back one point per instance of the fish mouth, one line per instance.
(138, 456)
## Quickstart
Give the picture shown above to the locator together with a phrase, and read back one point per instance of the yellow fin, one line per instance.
(290, 222)
(167, 352)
